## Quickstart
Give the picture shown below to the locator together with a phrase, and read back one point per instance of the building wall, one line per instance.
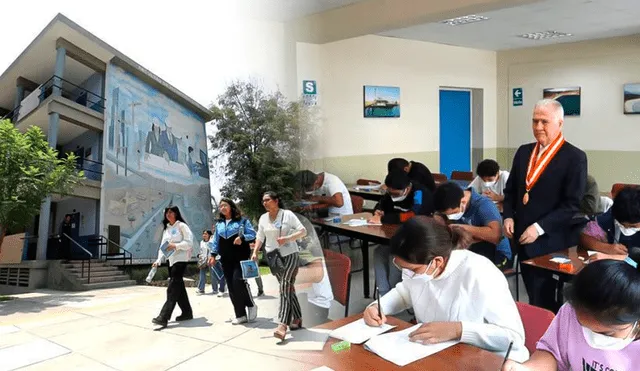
(88, 214)
(155, 155)
(356, 147)
(610, 138)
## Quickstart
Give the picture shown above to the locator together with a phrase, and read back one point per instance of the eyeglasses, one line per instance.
(264, 201)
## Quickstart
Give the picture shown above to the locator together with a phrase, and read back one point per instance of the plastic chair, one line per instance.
(536, 321)
(339, 271)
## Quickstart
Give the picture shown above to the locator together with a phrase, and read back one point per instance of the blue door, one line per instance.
(455, 131)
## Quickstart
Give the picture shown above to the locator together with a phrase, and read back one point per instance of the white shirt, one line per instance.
(179, 234)
(497, 187)
(332, 185)
(471, 290)
(285, 223)
(320, 294)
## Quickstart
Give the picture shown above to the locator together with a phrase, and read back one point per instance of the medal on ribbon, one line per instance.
(538, 165)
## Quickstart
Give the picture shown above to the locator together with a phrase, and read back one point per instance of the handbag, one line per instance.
(275, 262)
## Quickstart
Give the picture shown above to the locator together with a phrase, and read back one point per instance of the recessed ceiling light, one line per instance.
(544, 35)
(472, 18)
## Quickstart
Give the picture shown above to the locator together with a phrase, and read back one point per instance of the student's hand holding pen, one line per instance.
(373, 317)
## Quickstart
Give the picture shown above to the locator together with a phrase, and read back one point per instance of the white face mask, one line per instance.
(399, 198)
(627, 231)
(489, 184)
(604, 342)
(409, 275)
(458, 215)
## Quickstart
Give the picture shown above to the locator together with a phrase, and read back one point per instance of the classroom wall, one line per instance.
(354, 147)
(610, 138)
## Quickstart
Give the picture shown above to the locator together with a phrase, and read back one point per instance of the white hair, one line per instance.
(557, 107)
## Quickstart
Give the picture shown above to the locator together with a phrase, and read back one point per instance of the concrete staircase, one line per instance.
(102, 276)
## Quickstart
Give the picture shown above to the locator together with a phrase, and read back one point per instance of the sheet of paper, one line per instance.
(368, 187)
(323, 368)
(359, 223)
(591, 252)
(561, 260)
(397, 348)
(357, 332)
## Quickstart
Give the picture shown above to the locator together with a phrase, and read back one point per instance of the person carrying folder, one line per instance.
(457, 295)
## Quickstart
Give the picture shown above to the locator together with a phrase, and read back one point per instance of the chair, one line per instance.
(366, 182)
(619, 186)
(339, 271)
(439, 178)
(536, 321)
(514, 272)
(358, 203)
(462, 175)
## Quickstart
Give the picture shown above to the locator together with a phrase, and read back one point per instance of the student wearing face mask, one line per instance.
(480, 217)
(597, 329)
(490, 181)
(403, 200)
(456, 294)
(615, 231)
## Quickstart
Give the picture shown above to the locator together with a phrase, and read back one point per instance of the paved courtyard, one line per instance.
(112, 330)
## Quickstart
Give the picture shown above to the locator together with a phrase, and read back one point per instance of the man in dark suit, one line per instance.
(543, 193)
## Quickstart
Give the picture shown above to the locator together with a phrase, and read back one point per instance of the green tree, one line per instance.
(30, 170)
(260, 141)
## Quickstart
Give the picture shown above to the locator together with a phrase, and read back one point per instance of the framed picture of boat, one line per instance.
(568, 97)
(381, 101)
(632, 99)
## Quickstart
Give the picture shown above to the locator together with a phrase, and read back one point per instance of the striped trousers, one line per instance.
(289, 305)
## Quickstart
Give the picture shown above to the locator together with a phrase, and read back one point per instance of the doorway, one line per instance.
(455, 130)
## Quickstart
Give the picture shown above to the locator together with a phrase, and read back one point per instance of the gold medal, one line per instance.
(525, 199)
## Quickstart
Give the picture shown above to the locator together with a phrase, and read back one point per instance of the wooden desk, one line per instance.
(380, 234)
(573, 253)
(372, 195)
(458, 357)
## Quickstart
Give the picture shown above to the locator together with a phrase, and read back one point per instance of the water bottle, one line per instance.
(152, 273)
(241, 231)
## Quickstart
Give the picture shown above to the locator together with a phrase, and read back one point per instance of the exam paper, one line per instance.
(359, 223)
(397, 348)
(357, 332)
(561, 260)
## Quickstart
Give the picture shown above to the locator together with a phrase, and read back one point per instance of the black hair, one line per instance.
(397, 163)
(306, 179)
(190, 149)
(609, 290)
(626, 205)
(274, 196)
(208, 232)
(487, 168)
(421, 238)
(397, 179)
(176, 210)
(447, 196)
(236, 214)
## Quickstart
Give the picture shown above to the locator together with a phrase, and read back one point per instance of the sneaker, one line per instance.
(260, 293)
(159, 321)
(238, 321)
(199, 292)
(252, 313)
(214, 293)
(220, 294)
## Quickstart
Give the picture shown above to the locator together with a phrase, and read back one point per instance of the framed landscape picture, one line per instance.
(632, 99)
(381, 101)
(568, 97)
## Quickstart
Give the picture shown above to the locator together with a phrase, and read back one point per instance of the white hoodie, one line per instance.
(471, 290)
(179, 234)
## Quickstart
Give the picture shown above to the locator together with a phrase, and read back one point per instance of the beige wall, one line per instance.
(355, 147)
(601, 68)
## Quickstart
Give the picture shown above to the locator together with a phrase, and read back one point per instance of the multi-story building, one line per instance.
(141, 143)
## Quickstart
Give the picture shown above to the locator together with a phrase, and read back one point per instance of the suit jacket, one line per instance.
(553, 200)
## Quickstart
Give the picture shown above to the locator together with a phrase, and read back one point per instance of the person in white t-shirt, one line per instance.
(327, 189)
(490, 181)
(457, 295)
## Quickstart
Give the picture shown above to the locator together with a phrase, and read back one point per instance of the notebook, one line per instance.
(357, 332)
(166, 253)
(397, 348)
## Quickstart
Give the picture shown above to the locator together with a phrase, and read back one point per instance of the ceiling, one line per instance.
(287, 10)
(585, 19)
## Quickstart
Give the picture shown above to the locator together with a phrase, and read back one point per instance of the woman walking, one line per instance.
(180, 240)
(278, 229)
(231, 237)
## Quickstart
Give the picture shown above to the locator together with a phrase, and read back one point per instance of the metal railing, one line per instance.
(83, 260)
(11, 115)
(92, 171)
(104, 242)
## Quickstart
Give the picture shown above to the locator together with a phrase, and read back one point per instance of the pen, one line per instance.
(506, 356)
(379, 308)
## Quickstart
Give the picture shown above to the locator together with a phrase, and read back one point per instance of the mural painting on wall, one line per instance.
(156, 156)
